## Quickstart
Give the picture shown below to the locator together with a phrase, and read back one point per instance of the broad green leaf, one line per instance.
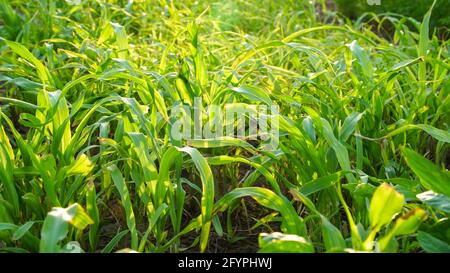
(309, 128)
(431, 176)
(432, 244)
(20, 232)
(299, 196)
(77, 139)
(7, 226)
(217, 225)
(349, 126)
(385, 204)
(82, 165)
(339, 149)
(253, 94)
(437, 201)
(121, 40)
(321, 183)
(332, 237)
(363, 58)
(61, 124)
(406, 224)
(410, 222)
(7, 150)
(436, 133)
(106, 33)
(283, 243)
(56, 224)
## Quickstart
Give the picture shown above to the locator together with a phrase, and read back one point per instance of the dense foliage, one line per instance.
(415, 9)
(87, 163)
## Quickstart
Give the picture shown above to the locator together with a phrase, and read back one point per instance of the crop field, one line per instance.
(115, 133)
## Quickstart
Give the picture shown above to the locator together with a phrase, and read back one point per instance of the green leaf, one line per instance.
(121, 187)
(283, 243)
(56, 223)
(92, 210)
(300, 196)
(339, 149)
(292, 223)
(349, 126)
(437, 201)
(61, 124)
(225, 160)
(20, 232)
(20, 103)
(114, 241)
(121, 40)
(207, 200)
(431, 176)
(332, 237)
(363, 58)
(410, 222)
(23, 52)
(152, 223)
(385, 204)
(221, 142)
(321, 183)
(436, 133)
(7, 226)
(422, 52)
(432, 244)
(81, 166)
(217, 225)
(253, 93)
(6, 171)
(106, 33)
(406, 224)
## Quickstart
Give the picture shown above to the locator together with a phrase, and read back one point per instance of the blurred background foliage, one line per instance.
(412, 8)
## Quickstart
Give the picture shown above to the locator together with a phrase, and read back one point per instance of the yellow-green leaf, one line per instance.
(385, 204)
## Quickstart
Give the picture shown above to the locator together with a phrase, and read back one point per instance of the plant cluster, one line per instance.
(87, 162)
